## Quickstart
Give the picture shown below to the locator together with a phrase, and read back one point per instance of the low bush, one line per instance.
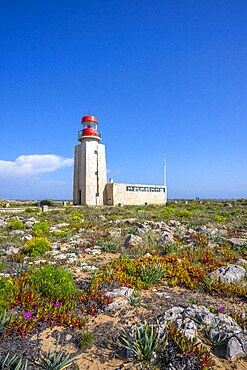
(52, 282)
(16, 224)
(31, 210)
(86, 339)
(76, 216)
(184, 213)
(7, 292)
(37, 246)
(46, 202)
(40, 228)
(142, 341)
(219, 218)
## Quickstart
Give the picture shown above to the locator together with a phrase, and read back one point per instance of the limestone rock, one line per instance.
(121, 298)
(174, 223)
(113, 232)
(12, 250)
(63, 224)
(189, 328)
(132, 240)
(237, 346)
(120, 292)
(166, 238)
(172, 314)
(95, 250)
(29, 224)
(189, 318)
(238, 242)
(229, 274)
(16, 232)
(242, 262)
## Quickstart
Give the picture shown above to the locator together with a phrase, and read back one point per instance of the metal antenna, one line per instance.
(89, 112)
(165, 164)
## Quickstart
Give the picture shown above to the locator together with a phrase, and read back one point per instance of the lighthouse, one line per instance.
(89, 165)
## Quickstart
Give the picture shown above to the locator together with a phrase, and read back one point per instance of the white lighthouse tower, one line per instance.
(89, 165)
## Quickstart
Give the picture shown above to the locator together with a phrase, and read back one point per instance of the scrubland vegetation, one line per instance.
(59, 270)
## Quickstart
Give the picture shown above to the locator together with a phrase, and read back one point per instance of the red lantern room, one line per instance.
(90, 129)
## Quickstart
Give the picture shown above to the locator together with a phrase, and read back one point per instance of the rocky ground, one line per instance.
(202, 297)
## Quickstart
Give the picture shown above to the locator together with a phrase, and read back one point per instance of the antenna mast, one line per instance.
(165, 164)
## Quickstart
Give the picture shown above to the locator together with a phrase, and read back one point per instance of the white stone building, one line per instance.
(90, 181)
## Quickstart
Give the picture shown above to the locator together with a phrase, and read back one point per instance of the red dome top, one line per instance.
(89, 118)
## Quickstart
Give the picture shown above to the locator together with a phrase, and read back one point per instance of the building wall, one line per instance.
(89, 173)
(135, 194)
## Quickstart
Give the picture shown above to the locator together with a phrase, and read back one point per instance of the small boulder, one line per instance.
(229, 274)
(237, 346)
(238, 242)
(132, 241)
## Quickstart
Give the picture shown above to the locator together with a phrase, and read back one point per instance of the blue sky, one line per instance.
(152, 72)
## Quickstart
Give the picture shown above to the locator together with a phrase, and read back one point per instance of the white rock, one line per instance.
(12, 250)
(132, 240)
(120, 292)
(237, 346)
(93, 251)
(229, 274)
(17, 232)
(38, 262)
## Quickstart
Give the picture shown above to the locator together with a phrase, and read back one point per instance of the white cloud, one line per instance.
(34, 164)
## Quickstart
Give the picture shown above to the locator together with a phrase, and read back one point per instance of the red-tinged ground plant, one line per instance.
(240, 318)
(21, 324)
(93, 300)
(191, 347)
(48, 294)
(142, 273)
(228, 290)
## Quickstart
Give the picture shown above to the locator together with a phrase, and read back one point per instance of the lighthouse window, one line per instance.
(95, 152)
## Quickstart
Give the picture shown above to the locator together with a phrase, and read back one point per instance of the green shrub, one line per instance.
(226, 214)
(219, 218)
(13, 363)
(7, 292)
(40, 228)
(76, 216)
(30, 210)
(2, 266)
(55, 359)
(53, 282)
(167, 211)
(86, 339)
(16, 225)
(152, 273)
(46, 202)
(184, 213)
(37, 246)
(110, 245)
(142, 341)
